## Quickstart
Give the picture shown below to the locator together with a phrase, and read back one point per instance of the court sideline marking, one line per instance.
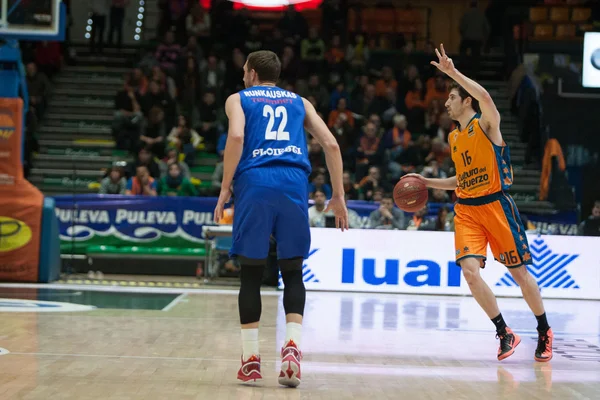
(175, 301)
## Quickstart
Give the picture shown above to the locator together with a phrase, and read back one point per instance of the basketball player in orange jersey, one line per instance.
(484, 213)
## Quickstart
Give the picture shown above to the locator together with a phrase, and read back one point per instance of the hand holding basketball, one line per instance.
(410, 193)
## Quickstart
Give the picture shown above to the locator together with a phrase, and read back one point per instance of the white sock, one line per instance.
(249, 343)
(293, 331)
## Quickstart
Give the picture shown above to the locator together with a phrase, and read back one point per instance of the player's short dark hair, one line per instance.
(266, 64)
(464, 94)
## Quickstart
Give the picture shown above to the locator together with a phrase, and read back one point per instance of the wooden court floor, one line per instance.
(76, 343)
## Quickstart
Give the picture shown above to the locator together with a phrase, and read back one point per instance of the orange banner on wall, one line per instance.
(21, 203)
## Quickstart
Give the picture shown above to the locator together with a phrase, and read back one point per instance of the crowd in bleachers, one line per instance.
(388, 121)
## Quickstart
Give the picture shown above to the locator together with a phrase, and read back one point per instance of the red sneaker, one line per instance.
(508, 342)
(290, 365)
(543, 352)
(250, 370)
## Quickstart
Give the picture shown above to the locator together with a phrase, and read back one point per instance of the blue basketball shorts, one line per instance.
(271, 201)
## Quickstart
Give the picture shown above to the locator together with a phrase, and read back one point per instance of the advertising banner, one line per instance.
(423, 262)
(88, 220)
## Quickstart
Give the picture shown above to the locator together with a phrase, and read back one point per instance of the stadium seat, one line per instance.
(559, 14)
(543, 31)
(565, 31)
(538, 14)
(581, 14)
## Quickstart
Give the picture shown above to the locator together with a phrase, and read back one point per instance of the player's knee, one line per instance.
(519, 274)
(294, 292)
(470, 269)
(249, 302)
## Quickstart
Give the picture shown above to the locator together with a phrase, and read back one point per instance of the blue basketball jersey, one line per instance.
(274, 133)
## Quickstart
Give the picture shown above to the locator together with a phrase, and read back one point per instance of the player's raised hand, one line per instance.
(338, 206)
(444, 63)
(224, 198)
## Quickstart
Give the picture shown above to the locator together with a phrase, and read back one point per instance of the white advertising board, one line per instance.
(423, 262)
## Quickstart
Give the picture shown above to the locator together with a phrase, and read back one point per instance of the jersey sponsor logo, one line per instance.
(272, 94)
(473, 178)
(7, 125)
(276, 152)
(471, 131)
(549, 269)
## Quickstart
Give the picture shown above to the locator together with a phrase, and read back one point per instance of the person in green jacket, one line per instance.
(174, 184)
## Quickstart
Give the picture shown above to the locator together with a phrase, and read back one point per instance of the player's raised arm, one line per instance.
(490, 117)
(233, 150)
(315, 125)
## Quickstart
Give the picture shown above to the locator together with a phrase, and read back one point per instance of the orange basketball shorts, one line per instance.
(492, 219)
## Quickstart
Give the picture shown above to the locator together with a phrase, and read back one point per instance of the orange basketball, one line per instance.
(410, 194)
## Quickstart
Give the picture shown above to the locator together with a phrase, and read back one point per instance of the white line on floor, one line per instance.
(175, 301)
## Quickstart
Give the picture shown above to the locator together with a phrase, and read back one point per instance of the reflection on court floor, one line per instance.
(187, 346)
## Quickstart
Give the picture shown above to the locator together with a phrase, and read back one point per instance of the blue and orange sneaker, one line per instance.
(250, 370)
(508, 342)
(543, 352)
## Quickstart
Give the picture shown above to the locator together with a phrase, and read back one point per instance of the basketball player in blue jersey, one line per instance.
(266, 160)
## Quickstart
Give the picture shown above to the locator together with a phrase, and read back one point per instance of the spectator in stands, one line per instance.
(439, 196)
(167, 53)
(114, 183)
(350, 188)
(421, 221)
(317, 90)
(138, 82)
(156, 97)
(341, 109)
(185, 139)
(145, 159)
(335, 57)
(117, 18)
(415, 106)
(153, 132)
(210, 116)
(316, 213)
(192, 49)
(368, 150)
(386, 216)
(432, 115)
(591, 226)
(212, 74)
(386, 82)
(293, 25)
(290, 66)
(198, 25)
(371, 182)
(367, 103)
(318, 183)
(316, 156)
(189, 89)
(443, 128)
(234, 71)
(438, 92)
(442, 222)
(395, 141)
(338, 93)
(440, 151)
(99, 10)
(253, 42)
(474, 31)
(127, 119)
(175, 184)
(38, 88)
(165, 82)
(172, 156)
(358, 53)
(142, 184)
(344, 134)
(312, 50)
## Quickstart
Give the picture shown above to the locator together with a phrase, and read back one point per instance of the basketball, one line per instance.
(410, 194)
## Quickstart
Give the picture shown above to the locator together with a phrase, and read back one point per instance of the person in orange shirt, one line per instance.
(387, 81)
(341, 109)
(485, 213)
(439, 91)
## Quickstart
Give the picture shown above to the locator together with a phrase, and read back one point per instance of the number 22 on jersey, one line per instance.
(279, 113)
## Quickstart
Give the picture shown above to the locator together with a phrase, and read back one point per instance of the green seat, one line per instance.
(155, 251)
(203, 169)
